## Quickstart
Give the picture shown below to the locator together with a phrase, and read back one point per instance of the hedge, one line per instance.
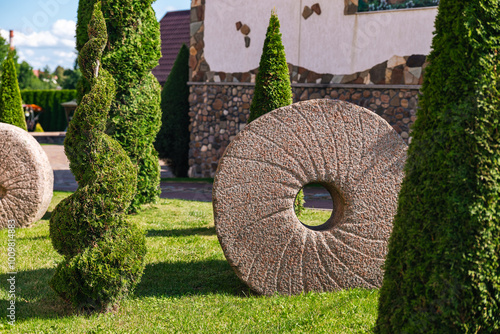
(442, 271)
(172, 142)
(53, 117)
(133, 50)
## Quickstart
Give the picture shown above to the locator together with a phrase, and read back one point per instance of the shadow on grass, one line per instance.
(181, 232)
(45, 237)
(34, 297)
(47, 215)
(190, 278)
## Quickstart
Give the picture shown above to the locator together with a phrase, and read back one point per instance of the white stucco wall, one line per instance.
(328, 43)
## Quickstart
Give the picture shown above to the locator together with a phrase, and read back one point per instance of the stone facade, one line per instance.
(220, 111)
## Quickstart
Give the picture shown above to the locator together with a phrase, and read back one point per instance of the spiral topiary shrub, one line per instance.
(442, 271)
(103, 252)
(11, 105)
(133, 50)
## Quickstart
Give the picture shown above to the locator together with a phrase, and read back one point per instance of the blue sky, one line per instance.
(44, 30)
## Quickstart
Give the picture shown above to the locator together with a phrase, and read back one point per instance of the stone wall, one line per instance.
(220, 110)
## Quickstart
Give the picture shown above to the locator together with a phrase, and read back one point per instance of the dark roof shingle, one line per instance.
(174, 28)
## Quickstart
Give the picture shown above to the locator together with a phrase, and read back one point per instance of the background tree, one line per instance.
(11, 105)
(71, 78)
(59, 73)
(442, 272)
(272, 84)
(103, 252)
(27, 79)
(135, 115)
(45, 74)
(172, 142)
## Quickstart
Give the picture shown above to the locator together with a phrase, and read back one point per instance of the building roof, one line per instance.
(174, 27)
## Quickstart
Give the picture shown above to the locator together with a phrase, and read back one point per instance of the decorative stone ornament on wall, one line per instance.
(308, 11)
(353, 153)
(26, 178)
(245, 30)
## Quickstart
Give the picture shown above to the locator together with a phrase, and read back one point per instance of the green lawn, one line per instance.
(187, 287)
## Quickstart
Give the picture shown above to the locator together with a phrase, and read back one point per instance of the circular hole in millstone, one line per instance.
(324, 206)
(3, 192)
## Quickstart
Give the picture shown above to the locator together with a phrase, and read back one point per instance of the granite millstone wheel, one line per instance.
(26, 178)
(353, 153)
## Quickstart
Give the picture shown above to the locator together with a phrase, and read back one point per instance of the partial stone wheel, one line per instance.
(353, 153)
(26, 178)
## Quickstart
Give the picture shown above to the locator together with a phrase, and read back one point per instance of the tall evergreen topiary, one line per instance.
(132, 52)
(442, 272)
(103, 252)
(172, 142)
(272, 84)
(11, 105)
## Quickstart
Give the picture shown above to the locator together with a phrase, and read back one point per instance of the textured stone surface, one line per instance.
(354, 153)
(26, 178)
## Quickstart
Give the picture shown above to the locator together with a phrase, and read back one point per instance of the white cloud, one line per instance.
(5, 34)
(36, 39)
(64, 28)
(49, 47)
(64, 54)
(61, 35)
(39, 62)
(69, 43)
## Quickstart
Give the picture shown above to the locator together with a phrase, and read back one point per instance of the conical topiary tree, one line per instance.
(272, 84)
(172, 142)
(133, 50)
(442, 272)
(11, 105)
(103, 252)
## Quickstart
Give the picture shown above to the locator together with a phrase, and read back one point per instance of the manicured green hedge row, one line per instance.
(53, 117)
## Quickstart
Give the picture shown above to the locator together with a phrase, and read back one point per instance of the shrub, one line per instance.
(272, 84)
(103, 252)
(135, 115)
(172, 142)
(53, 117)
(442, 272)
(38, 128)
(11, 106)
